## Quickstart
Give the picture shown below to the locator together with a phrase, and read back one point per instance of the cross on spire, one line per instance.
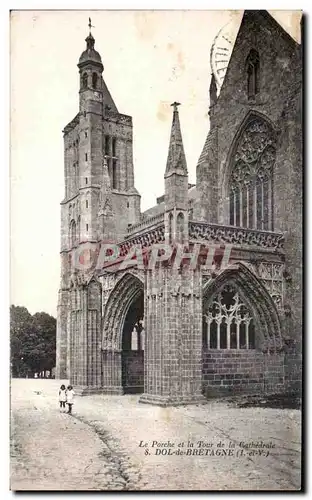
(175, 105)
(90, 25)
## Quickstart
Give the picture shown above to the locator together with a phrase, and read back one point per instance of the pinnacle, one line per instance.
(176, 161)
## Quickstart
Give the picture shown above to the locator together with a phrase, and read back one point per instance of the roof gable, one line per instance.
(258, 30)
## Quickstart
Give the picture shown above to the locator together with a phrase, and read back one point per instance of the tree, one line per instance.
(20, 329)
(45, 326)
(33, 341)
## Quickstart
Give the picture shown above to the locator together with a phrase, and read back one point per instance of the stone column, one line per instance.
(87, 352)
(81, 361)
(61, 335)
(173, 350)
(98, 353)
(69, 346)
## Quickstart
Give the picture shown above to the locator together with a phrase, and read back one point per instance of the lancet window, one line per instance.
(253, 74)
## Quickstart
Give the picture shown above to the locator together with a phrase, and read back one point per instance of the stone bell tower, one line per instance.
(100, 202)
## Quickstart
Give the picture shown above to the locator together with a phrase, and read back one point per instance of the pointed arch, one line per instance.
(249, 116)
(249, 173)
(180, 227)
(268, 329)
(126, 290)
(94, 293)
(170, 217)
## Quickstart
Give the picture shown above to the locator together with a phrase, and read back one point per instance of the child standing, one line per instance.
(70, 393)
(62, 396)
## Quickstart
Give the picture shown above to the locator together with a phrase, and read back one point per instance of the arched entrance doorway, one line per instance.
(133, 339)
(124, 337)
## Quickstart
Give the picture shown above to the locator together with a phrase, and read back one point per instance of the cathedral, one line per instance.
(180, 334)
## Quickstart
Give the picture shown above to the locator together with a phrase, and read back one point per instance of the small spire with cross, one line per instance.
(176, 161)
(175, 105)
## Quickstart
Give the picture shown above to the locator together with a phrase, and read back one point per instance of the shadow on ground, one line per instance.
(290, 401)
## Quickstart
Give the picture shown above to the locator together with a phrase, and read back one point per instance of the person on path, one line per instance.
(62, 396)
(70, 393)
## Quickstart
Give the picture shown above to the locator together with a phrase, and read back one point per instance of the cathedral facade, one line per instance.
(180, 334)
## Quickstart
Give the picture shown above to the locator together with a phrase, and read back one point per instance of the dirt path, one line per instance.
(131, 424)
(101, 447)
(55, 451)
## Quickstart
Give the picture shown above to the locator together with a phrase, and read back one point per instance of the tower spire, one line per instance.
(90, 39)
(90, 55)
(176, 161)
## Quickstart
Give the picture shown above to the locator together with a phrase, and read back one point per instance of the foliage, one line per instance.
(33, 341)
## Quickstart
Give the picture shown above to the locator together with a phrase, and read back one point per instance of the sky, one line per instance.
(150, 58)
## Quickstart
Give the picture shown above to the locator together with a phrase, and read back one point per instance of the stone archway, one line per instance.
(256, 298)
(133, 347)
(244, 350)
(122, 367)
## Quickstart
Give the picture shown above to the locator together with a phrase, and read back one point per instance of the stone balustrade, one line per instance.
(145, 224)
(216, 233)
(145, 240)
(200, 232)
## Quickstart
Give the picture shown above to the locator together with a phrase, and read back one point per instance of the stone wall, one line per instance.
(293, 368)
(227, 372)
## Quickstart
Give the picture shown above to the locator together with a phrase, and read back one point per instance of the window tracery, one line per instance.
(229, 323)
(251, 179)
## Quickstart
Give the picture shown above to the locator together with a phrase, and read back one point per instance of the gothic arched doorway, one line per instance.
(123, 337)
(133, 347)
